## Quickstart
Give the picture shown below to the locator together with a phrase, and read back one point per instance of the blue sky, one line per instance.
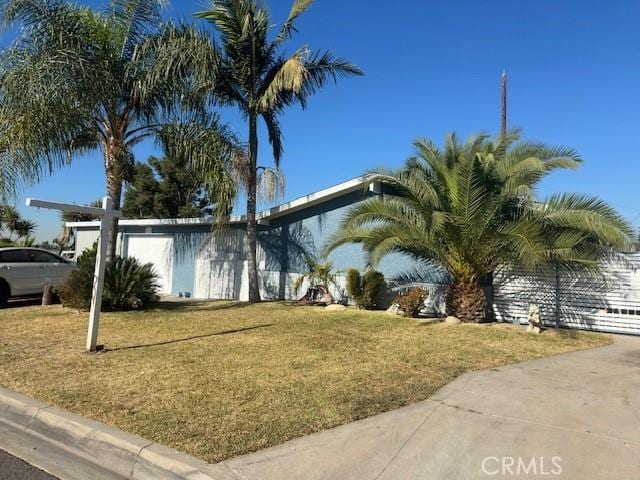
(434, 67)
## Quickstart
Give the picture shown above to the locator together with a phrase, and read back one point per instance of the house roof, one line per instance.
(264, 216)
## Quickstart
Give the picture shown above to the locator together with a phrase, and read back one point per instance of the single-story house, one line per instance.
(193, 258)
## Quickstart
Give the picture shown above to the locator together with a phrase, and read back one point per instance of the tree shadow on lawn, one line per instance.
(195, 337)
(200, 305)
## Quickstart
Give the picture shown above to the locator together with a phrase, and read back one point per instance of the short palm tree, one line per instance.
(319, 276)
(77, 80)
(470, 208)
(247, 69)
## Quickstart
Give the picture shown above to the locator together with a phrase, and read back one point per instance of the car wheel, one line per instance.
(4, 294)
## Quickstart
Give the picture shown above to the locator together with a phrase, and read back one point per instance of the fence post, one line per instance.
(557, 292)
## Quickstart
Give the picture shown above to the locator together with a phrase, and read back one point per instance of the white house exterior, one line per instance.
(192, 258)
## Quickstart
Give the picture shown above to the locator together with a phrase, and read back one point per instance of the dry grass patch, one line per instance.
(222, 379)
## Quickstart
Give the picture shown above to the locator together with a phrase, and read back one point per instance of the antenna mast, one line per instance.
(503, 126)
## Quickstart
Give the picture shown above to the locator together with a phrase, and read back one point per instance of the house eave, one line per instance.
(262, 217)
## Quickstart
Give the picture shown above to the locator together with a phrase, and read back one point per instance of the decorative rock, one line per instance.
(335, 306)
(394, 309)
(452, 320)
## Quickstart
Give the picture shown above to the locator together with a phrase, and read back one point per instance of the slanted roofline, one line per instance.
(262, 217)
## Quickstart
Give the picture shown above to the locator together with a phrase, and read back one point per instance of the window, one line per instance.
(36, 256)
(13, 256)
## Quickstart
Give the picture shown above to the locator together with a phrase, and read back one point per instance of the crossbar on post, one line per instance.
(106, 214)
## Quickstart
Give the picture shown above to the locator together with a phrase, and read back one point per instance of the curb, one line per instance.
(72, 447)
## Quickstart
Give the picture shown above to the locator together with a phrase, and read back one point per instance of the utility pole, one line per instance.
(503, 125)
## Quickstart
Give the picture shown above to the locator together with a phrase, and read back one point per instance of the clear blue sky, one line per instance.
(433, 67)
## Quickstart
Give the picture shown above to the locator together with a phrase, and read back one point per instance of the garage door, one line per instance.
(155, 249)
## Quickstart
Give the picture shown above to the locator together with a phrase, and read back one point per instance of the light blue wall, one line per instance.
(284, 242)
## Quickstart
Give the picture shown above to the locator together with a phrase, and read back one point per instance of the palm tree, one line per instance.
(18, 231)
(470, 208)
(77, 80)
(247, 69)
(66, 240)
(321, 275)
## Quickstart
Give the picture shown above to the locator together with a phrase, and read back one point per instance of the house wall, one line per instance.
(85, 238)
(202, 258)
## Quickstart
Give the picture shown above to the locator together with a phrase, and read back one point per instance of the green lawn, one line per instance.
(221, 379)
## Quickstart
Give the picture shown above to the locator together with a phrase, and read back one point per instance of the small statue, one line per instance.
(535, 323)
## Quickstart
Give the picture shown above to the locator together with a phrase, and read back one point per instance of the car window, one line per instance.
(42, 257)
(13, 256)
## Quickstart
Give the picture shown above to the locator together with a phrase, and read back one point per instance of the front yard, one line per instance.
(222, 379)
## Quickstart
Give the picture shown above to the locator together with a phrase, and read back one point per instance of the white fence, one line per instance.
(608, 301)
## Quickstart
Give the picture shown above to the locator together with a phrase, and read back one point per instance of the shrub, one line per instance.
(128, 284)
(411, 301)
(372, 282)
(364, 289)
(354, 283)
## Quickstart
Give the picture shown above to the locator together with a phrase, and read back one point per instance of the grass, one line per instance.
(222, 379)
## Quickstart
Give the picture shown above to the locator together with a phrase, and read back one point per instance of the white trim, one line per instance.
(263, 217)
(316, 198)
(144, 222)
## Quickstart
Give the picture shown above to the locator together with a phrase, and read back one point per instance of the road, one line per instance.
(12, 468)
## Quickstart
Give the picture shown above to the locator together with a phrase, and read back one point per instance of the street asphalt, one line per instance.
(12, 468)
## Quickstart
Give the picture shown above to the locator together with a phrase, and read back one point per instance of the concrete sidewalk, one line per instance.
(574, 416)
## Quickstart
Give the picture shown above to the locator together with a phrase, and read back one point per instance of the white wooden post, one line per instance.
(98, 275)
(106, 214)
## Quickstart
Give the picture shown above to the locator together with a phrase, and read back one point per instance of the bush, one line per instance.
(354, 286)
(411, 301)
(128, 284)
(372, 282)
(364, 289)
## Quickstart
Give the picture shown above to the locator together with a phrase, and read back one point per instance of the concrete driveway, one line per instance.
(574, 416)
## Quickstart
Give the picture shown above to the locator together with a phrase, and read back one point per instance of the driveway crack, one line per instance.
(404, 444)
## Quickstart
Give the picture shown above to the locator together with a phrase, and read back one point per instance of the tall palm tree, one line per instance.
(75, 81)
(470, 208)
(249, 70)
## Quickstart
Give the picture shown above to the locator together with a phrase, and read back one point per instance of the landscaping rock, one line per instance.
(450, 320)
(394, 309)
(335, 306)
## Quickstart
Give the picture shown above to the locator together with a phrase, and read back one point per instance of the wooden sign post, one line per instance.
(106, 214)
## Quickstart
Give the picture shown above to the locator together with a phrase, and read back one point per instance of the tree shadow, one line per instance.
(186, 339)
(206, 306)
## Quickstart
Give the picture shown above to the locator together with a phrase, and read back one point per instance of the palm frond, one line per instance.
(469, 208)
(297, 9)
(135, 20)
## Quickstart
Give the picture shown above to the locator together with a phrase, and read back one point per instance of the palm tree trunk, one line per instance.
(466, 300)
(113, 169)
(252, 232)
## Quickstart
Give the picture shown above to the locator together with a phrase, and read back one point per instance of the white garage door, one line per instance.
(155, 249)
